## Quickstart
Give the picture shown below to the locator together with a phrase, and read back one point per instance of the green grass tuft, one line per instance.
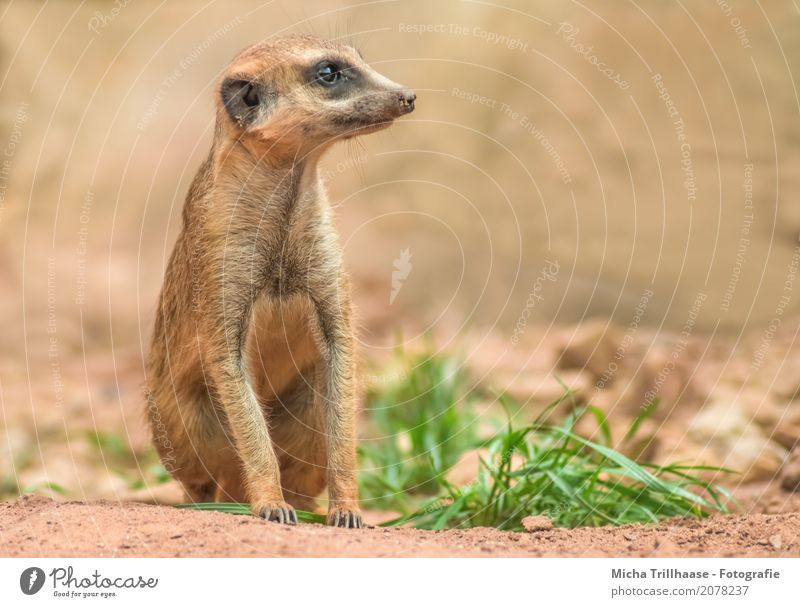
(539, 468)
(420, 426)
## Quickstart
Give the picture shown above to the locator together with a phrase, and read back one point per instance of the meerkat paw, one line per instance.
(278, 512)
(347, 518)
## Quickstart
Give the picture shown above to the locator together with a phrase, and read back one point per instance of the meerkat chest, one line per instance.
(280, 343)
(303, 259)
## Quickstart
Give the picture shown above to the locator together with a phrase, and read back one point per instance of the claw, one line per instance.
(282, 514)
(345, 520)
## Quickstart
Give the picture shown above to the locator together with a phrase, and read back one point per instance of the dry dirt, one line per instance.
(37, 527)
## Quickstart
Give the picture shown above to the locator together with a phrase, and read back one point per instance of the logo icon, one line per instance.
(31, 580)
(402, 268)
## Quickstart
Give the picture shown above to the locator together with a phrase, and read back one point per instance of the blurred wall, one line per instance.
(564, 161)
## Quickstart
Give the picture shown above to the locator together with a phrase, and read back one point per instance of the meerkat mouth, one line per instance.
(356, 124)
(366, 129)
(355, 127)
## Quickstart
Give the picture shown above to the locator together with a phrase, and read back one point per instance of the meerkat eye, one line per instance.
(328, 73)
(250, 97)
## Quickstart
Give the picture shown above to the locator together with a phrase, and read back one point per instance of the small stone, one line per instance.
(776, 542)
(531, 524)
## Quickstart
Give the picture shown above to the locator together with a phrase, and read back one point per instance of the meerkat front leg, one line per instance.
(336, 394)
(249, 429)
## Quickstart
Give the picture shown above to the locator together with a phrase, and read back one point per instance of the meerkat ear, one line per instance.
(246, 101)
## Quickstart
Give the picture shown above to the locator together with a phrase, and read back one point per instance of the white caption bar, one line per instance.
(401, 582)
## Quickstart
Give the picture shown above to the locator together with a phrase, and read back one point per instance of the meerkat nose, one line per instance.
(407, 99)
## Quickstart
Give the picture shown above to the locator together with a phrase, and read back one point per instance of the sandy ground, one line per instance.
(37, 527)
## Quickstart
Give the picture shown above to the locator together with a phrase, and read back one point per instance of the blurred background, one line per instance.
(605, 195)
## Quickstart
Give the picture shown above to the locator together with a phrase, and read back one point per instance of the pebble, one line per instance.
(532, 524)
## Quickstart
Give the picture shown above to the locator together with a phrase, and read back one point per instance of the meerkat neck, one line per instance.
(283, 182)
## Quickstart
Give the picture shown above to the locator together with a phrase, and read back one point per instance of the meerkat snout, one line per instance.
(407, 99)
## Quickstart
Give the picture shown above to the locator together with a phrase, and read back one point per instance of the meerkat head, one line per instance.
(300, 93)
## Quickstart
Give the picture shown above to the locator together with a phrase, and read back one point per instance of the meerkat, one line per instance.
(251, 383)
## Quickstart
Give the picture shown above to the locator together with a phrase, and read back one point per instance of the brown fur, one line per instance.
(250, 378)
